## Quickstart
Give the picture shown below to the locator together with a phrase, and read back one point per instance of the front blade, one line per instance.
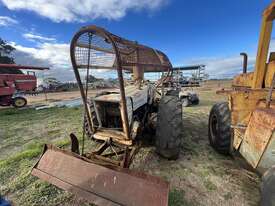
(101, 185)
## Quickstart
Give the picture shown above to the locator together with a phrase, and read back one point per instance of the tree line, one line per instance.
(6, 51)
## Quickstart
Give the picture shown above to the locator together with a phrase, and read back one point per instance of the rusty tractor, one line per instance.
(116, 120)
(246, 123)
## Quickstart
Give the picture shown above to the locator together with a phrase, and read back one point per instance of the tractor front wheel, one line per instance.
(19, 102)
(168, 132)
(219, 131)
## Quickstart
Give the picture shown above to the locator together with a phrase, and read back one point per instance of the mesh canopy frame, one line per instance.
(93, 47)
(109, 51)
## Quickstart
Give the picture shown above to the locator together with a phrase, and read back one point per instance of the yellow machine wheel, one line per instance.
(219, 130)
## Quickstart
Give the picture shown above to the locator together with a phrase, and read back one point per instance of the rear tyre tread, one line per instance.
(220, 141)
(168, 132)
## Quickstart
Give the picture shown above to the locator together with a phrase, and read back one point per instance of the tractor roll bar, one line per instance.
(93, 47)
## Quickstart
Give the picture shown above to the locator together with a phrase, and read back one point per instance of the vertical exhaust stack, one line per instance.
(245, 59)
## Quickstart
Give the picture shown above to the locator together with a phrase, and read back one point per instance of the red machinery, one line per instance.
(14, 83)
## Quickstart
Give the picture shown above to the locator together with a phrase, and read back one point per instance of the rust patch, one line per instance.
(258, 134)
(238, 137)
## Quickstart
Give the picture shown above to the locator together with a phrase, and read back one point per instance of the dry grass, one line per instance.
(199, 177)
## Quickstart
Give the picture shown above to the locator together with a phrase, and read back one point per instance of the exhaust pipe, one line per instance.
(245, 58)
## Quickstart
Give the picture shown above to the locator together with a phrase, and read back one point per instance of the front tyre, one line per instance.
(168, 132)
(219, 130)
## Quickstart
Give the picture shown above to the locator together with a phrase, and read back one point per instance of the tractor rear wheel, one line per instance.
(219, 131)
(268, 188)
(19, 102)
(168, 132)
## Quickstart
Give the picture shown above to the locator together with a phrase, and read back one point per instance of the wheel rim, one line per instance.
(213, 127)
(19, 102)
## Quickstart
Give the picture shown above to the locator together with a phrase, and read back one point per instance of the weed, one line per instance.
(176, 198)
(210, 186)
(228, 196)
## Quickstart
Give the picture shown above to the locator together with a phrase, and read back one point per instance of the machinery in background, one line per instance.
(175, 80)
(246, 123)
(176, 76)
(198, 75)
(14, 84)
(188, 97)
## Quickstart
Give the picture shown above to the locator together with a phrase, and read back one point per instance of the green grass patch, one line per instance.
(176, 198)
(32, 150)
(228, 196)
(42, 193)
(210, 186)
(24, 134)
(26, 189)
(19, 128)
(27, 154)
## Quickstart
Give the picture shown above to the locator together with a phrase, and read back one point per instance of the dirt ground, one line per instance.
(199, 177)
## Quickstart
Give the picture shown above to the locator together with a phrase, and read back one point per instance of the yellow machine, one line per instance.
(246, 122)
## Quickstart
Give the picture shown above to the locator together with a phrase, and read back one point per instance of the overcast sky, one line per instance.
(211, 32)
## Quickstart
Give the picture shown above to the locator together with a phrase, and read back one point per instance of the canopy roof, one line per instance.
(103, 50)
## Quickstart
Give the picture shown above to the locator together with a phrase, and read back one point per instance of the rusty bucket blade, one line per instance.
(101, 185)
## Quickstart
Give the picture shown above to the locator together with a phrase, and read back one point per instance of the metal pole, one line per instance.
(122, 90)
(123, 101)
